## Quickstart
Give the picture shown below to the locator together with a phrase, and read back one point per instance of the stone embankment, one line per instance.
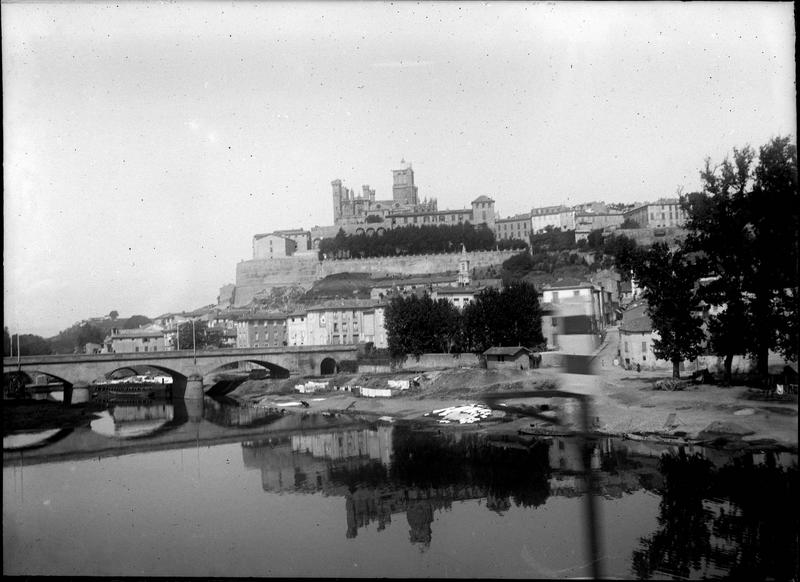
(257, 275)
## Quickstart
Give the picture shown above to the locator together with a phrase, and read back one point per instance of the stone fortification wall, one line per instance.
(256, 275)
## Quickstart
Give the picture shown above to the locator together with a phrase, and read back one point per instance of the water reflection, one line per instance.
(33, 439)
(712, 521)
(260, 486)
(134, 420)
(740, 520)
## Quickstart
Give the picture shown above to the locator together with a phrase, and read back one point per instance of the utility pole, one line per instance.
(194, 344)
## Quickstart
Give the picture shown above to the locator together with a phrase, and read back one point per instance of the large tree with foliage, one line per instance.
(743, 230)
(417, 325)
(29, 344)
(511, 317)
(668, 279)
(412, 240)
(74, 338)
(199, 336)
(136, 321)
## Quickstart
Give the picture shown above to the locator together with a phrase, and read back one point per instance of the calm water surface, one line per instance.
(220, 490)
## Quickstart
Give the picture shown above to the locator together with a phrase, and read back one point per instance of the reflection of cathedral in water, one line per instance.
(389, 470)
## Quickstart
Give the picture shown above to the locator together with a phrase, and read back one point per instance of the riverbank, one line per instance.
(623, 403)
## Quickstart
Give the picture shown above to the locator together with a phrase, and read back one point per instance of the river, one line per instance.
(162, 489)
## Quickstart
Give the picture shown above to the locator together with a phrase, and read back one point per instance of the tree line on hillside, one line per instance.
(414, 240)
(70, 340)
(508, 317)
(739, 262)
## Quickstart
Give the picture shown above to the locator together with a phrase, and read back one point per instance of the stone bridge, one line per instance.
(81, 369)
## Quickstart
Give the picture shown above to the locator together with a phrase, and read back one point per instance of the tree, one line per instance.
(198, 336)
(668, 283)
(29, 344)
(114, 315)
(517, 266)
(74, 338)
(136, 321)
(629, 223)
(511, 317)
(735, 222)
(418, 325)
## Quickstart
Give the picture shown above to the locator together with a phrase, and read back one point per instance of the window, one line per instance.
(576, 293)
(626, 347)
(644, 347)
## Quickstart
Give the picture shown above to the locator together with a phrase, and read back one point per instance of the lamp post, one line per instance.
(194, 344)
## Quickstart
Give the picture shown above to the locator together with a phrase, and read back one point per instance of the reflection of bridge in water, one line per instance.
(162, 425)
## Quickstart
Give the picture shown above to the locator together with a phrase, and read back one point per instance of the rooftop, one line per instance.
(482, 199)
(641, 324)
(506, 351)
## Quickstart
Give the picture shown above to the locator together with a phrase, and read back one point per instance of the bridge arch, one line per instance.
(328, 367)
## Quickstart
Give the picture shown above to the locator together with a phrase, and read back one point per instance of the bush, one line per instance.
(348, 366)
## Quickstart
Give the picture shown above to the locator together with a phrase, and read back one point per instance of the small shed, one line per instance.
(516, 357)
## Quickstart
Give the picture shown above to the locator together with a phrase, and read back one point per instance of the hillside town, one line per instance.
(342, 319)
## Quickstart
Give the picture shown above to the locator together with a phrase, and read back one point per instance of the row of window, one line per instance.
(441, 218)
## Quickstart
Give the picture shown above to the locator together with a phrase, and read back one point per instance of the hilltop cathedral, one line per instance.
(349, 209)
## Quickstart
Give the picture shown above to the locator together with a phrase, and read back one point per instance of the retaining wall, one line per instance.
(256, 275)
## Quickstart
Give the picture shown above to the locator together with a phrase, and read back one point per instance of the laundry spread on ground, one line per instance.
(468, 414)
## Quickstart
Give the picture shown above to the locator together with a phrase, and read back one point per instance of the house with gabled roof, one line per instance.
(516, 357)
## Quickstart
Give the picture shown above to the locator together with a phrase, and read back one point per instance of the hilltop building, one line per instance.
(350, 209)
(663, 213)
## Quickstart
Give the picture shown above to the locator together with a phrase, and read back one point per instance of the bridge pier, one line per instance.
(194, 388)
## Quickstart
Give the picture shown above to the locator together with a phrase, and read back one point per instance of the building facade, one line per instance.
(273, 246)
(516, 227)
(350, 321)
(546, 216)
(261, 330)
(126, 341)
(663, 213)
(636, 337)
(575, 316)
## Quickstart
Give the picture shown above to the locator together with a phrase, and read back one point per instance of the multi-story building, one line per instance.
(261, 330)
(663, 213)
(545, 216)
(586, 222)
(349, 321)
(145, 339)
(515, 227)
(481, 212)
(296, 327)
(636, 337)
(576, 313)
(458, 296)
(273, 246)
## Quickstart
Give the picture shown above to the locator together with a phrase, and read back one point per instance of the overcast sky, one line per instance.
(145, 143)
